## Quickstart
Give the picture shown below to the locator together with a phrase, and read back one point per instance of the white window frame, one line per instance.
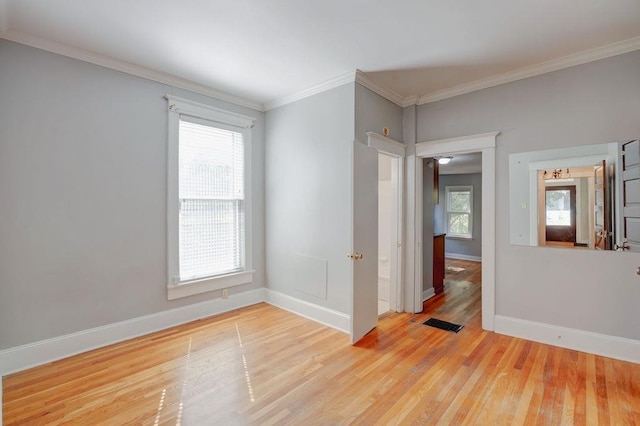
(448, 190)
(178, 107)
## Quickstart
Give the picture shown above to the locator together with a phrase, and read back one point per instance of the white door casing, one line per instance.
(397, 151)
(484, 143)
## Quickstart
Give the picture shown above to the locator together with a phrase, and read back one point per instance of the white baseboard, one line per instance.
(584, 341)
(463, 257)
(428, 294)
(38, 353)
(326, 316)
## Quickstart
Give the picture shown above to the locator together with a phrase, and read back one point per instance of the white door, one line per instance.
(364, 313)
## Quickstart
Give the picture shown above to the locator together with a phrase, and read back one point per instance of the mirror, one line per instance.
(568, 197)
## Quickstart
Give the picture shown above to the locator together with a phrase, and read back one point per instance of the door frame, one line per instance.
(486, 144)
(397, 151)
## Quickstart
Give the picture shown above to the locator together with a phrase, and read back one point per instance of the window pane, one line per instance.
(211, 162)
(558, 204)
(459, 202)
(459, 223)
(211, 237)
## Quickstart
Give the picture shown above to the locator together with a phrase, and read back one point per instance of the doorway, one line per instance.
(387, 237)
(484, 143)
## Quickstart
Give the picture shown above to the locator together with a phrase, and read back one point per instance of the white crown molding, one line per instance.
(390, 95)
(594, 343)
(332, 83)
(591, 55)
(126, 67)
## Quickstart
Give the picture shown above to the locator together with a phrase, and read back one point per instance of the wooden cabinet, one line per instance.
(438, 263)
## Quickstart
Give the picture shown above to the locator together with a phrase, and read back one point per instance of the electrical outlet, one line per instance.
(225, 293)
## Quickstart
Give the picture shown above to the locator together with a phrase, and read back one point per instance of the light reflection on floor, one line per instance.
(246, 368)
(184, 385)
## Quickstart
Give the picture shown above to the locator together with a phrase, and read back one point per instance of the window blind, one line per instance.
(211, 193)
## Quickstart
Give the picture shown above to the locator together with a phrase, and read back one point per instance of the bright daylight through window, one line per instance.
(208, 200)
(211, 191)
(459, 211)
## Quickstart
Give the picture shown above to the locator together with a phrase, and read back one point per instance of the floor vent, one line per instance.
(443, 325)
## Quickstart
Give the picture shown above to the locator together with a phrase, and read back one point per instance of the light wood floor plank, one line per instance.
(265, 366)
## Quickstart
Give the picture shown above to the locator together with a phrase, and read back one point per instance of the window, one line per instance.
(459, 211)
(208, 201)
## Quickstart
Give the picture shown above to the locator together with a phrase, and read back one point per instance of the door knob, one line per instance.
(638, 271)
(355, 256)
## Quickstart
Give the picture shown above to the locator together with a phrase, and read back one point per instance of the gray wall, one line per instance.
(308, 190)
(83, 172)
(588, 104)
(471, 247)
(373, 113)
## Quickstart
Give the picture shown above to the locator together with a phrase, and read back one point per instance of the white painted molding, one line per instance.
(428, 294)
(332, 83)
(463, 257)
(177, 291)
(457, 145)
(126, 67)
(585, 341)
(591, 55)
(38, 353)
(388, 94)
(348, 77)
(200, 110)
(317, 313)
(386, 145)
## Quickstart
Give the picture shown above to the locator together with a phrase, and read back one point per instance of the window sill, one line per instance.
(456, 237)
(190, 288)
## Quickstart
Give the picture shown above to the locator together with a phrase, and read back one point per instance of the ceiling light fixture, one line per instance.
(444, 160)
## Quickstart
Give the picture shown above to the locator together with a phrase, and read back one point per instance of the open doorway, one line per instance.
(485, 144)
(385, 240)
(455, 198)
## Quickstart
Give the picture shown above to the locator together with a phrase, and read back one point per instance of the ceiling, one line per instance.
(261, 52)
(462, 164)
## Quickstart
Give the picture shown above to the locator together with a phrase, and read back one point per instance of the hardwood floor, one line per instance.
(262, 365)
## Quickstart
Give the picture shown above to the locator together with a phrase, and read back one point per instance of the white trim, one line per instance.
(584, 57)
(356, 76)
(396, 283)
(386, 145)
(190, 288)
(126, 67)
(38, 353)
(317, 313)
(585, 341)
(200, 110)
(428, 294)
(418, 241)
(563, 163)
(388, 94)
(485, 143)
(459, 145)
(348, 77)
(463, 257)
(224, 119)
